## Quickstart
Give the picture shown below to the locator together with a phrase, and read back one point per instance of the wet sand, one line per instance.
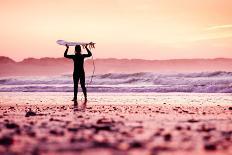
(110, 123)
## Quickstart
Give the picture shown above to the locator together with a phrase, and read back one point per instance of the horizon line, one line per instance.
(125, 58)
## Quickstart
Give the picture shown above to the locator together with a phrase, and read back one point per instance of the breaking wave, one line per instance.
(203, 82)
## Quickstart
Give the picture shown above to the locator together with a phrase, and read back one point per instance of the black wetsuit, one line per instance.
(79, 72)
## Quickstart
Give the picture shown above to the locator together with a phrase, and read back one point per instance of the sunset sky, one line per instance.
(143, 29)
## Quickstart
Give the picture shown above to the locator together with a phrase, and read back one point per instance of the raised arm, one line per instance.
(89, 52)
(66, 53)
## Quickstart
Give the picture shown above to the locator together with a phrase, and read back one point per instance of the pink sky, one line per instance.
(144, 29)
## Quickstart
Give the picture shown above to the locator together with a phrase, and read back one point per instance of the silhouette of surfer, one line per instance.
(78, 72)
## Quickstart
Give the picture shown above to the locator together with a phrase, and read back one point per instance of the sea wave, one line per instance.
(203, 82)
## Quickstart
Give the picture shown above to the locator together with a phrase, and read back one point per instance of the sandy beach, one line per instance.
(114, 123)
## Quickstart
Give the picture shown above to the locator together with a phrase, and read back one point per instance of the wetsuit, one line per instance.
(79, 72)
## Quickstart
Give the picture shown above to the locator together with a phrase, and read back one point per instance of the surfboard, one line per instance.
(63, 42)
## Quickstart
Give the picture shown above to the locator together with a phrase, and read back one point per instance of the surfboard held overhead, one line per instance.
(63, 42)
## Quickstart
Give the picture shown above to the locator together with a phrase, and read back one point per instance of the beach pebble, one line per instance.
(11, 125)
(193, 121)
(105, 121)
(167, 137)
(178, 128)
(6, 141)
(18, 131)
(136, 144)
(31, 134)
(55, 119)
(205, 128)
(207, 137)
(227, 135)
(210, 147)
(11, 108)
(79, 116)
(56, 132)
(73, 129)
(188, 128)
(30, 113)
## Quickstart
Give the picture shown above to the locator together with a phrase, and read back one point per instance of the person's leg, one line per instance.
(82, 81)
(75, 83)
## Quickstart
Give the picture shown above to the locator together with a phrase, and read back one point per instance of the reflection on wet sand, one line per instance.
(82, 108)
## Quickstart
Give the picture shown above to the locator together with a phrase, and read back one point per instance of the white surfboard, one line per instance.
(63, 42)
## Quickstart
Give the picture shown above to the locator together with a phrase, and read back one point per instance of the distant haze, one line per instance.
(140, 29)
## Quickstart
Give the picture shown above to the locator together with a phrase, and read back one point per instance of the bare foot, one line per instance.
(74, 99)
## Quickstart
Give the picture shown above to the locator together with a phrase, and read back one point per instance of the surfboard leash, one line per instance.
(91, 78)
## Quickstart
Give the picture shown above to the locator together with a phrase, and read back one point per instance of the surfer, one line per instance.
(78, 72)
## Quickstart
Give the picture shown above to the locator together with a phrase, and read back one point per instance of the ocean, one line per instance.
(202, 82)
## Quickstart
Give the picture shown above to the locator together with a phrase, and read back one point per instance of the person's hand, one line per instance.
(91, 45)
(67, 45)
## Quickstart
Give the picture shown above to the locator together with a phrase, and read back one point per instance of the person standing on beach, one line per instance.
(78, 72)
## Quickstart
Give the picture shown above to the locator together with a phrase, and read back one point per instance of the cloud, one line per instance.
(217, 27)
